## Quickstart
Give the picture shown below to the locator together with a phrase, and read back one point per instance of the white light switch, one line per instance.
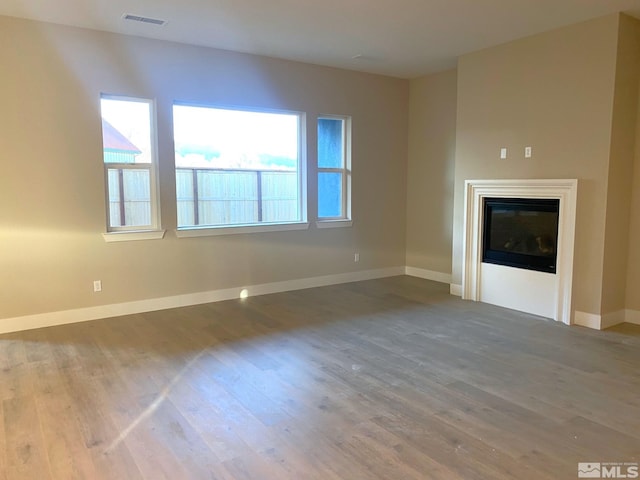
(527, 152)
(503, 153)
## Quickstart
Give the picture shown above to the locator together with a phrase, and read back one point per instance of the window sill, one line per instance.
(235, 230)
(133, 236)
(334, 223)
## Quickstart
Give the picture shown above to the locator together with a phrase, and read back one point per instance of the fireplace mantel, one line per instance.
(563, 189)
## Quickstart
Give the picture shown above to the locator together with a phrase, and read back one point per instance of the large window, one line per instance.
(128, 142)
(334, 169)
(237, 167)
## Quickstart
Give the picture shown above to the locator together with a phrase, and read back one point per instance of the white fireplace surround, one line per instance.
(563, 189)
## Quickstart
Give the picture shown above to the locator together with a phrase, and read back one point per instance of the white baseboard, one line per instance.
(632, 316)
(600, 322)
(589, 320)
(614, 318)
(428, 274)
(29, 322)
(454, 289)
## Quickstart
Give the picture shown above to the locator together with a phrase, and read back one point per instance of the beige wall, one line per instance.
(554, 92)
(619, 189)
(432, 136)
(52, 210)
(633, 258)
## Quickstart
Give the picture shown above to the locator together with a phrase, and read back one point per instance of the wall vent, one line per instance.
(139, 18)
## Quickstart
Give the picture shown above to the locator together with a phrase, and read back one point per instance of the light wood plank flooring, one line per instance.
(384, 379)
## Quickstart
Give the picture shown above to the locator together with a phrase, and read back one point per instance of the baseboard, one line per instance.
(454, 289)
(632, 316)
(614, 318)
(29, 322)
(600, 322)
(589, 320)
(428, 274)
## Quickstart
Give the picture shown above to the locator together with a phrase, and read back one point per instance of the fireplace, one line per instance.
(521, 233)
(527, 206)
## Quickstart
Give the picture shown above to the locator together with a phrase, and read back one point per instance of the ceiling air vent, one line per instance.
(139, 18)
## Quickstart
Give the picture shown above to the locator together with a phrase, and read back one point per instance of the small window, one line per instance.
(237, 167)
(128, 142)
(334, 169)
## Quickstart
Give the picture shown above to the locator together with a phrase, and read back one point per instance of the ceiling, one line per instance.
(401, 38)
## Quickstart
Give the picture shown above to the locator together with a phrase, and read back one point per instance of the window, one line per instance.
(334, 169)
(237, 167)
(128, 142)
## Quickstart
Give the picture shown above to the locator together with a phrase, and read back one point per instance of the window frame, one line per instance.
(345, 219)
(136, 232)
(236, 228)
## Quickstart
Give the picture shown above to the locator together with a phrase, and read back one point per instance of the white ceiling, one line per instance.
(402, 38)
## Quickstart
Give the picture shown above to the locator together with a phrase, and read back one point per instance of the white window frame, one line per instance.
(258, 227)
(136, 232)
(345, 219)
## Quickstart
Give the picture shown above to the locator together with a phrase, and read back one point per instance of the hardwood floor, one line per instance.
(384, 379)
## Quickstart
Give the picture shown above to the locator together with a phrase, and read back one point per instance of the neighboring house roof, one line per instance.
(114, 141)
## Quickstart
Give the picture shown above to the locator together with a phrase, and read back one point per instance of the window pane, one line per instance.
(184, 195)
(137, 197)
(246, 162)
(279, 196)
(114, 197)
(227, 198)
(126, 131)
(329, 194)
(330, 143)
(129, 197)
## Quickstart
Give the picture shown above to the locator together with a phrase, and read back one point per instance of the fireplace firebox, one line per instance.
(521, 233)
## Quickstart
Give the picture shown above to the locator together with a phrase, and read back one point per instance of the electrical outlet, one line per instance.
(527, 152)
(356, 257)
(503, 153)
(97, 286)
